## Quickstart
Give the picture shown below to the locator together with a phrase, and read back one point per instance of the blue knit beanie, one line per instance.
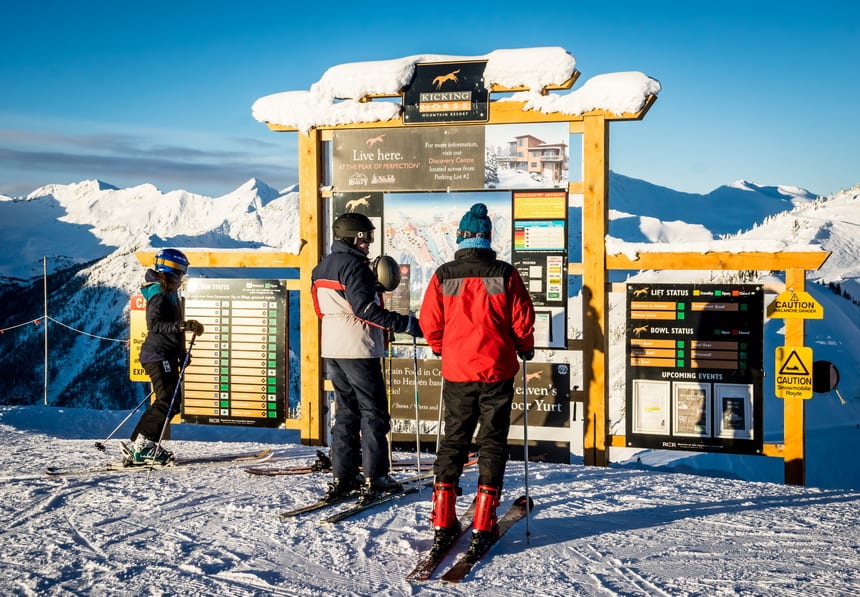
(476, 229)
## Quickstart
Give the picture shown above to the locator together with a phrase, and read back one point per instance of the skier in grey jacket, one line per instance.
(354, 325)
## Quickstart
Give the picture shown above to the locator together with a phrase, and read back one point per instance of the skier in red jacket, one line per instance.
(478, 315)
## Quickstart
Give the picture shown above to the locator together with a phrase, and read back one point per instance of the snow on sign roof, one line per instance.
(335, 98)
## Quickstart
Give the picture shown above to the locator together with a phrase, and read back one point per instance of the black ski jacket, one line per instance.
(163, 314)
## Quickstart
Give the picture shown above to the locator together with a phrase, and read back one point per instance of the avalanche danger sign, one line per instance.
(793, 372)
(795, 305)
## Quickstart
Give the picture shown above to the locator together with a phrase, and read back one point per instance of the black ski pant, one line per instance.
(164, 376)
(362, 421)
(466, 405)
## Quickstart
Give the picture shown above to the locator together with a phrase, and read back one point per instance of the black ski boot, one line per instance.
(322, 463)
(340, 488)
(378, 486)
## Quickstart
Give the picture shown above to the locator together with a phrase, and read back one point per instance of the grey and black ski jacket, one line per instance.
(346, 300)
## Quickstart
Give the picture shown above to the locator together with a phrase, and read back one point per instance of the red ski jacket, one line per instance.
(477, 314)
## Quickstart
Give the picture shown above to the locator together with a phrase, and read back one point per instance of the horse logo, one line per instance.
(374, 140)
(640, 292)
(440, 80)
(359, 202)
(640, 329)
(533, 376)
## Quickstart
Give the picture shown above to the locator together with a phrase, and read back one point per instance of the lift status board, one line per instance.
(694, 367)
(238, 369)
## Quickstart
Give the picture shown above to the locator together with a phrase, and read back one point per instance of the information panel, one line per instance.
(694, 367)
(238, 370)
(548, 402)
(540, 256)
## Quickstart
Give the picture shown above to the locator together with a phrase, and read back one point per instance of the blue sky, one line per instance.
(161, 92)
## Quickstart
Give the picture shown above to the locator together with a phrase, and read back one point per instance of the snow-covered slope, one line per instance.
(616, 532)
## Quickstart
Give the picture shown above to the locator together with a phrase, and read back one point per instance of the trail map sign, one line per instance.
(238, 371)
(694, 367)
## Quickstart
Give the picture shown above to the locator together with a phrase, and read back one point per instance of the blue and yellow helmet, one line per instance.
(171, 261)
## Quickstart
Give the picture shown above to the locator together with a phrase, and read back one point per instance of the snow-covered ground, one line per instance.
(214, 531)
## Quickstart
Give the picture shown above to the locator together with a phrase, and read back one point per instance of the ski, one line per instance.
(323, 503)
(317, 505)
(410, 486)
(431, 560)
(202, 461)
(323, 465)
(463, 566)
(272, 471)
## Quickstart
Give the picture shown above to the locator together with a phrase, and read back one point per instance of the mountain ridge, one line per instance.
(90, 232)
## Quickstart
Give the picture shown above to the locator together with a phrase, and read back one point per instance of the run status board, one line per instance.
(694, 367)
(238, 370)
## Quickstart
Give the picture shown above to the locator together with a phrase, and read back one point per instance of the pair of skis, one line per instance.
(428, 564)
(203, 461)
(409, 486)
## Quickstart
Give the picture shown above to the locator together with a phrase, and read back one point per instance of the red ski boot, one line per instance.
(446, 526)
(485, 528)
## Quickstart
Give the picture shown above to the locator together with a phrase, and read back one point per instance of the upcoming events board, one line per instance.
(694, 367)
(238, 370)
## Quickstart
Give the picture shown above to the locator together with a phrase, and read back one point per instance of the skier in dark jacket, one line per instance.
(162, 354)
(478, 315)
(353, 342)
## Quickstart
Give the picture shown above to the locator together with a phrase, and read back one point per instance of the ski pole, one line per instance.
(175, 393)
(417, 419)
(526, 449)
(390, 339)
(100, 444)
(439, 420)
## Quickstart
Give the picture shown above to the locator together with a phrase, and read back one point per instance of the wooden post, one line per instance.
(310, 219)
(595, 301)
(795, 408)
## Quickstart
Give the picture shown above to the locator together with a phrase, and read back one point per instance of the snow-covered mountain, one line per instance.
(89, 233)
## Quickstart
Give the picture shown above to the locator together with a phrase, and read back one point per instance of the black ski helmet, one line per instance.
(350, 227)
(387, 272)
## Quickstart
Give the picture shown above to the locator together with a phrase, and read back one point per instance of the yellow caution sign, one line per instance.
(793, 372)
(137, 317)
(795, 305)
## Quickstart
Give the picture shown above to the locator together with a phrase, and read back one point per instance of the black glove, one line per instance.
(526, 355)
(412, 327)
(195, 327)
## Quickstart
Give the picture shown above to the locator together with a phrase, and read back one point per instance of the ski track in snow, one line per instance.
(594, 531)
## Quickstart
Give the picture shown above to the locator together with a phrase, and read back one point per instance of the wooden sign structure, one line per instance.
(593, 126)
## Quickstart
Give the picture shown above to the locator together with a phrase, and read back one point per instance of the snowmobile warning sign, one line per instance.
(793, 372)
